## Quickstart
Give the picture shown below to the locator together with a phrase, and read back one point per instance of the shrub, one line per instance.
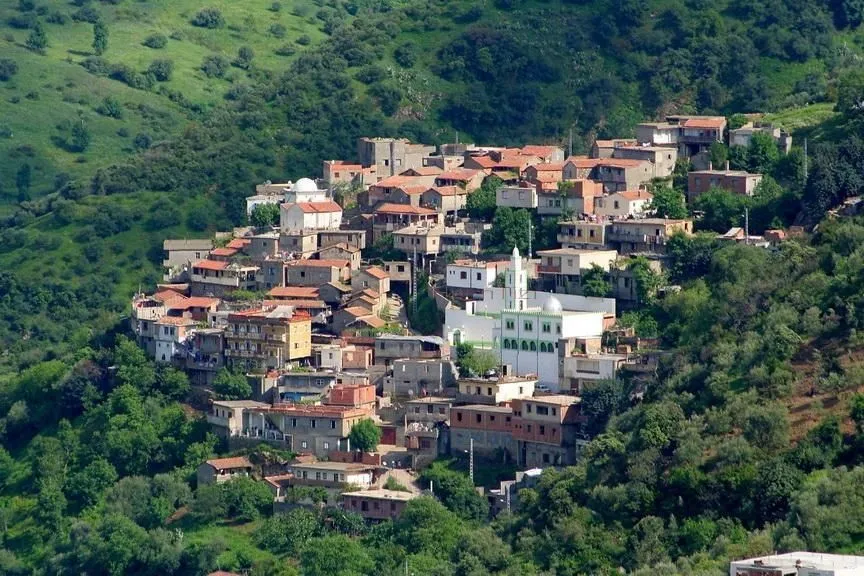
(22, 21)
(111, 107)
(26, 5)
(130, 77)
(371, 74)
(208, 18)
(57, 17)
(214, 66)
(123, 132)
(8, 68)
(277, 30)
(161, 70)
(236, 92)
(142, 141)
(406, 54)
(155, 41)
(304, 40)
(86, 14)
(275, 7)
(285, 50)
(244, 57)
(96, 65)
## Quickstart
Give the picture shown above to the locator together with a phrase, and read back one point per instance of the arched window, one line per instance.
(533, 346)
(514, 344)
(542, 347)
(524, 345)
(506, 344)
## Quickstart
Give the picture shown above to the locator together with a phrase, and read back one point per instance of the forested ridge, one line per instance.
(749, 439)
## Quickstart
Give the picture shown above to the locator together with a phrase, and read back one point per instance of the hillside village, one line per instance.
(313, 302)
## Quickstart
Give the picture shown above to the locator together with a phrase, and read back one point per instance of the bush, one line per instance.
(371, 74)
(22, 21)
(406, 54)
(130, 77)
(111, 107)
(155, 41)
(57, 18)
(277, 30)
(214, 66)
(245, 55)
(237, 91)
(96, 65)
(275, 7)
(86, 14)
(285, 50)
(208, 18)
(304, 40)
(26, 5)
(161, 70)
(8, 68)
(142, 141)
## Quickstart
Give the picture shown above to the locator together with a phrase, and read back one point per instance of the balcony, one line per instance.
(232, 281)
(547, 269)
(214, 420)
(260, 336)
(149, 313)
(626, 236)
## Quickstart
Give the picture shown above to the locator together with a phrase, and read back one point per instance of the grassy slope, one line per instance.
(65, 91)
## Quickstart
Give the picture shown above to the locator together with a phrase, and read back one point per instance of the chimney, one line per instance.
(727, 165)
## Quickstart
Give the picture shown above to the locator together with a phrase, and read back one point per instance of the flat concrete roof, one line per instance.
(382, 495)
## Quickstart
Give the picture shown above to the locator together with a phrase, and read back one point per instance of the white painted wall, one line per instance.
(477, 277)
(493, 302)
(292, 218)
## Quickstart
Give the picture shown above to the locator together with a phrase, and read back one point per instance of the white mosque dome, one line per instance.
(552, 305)
(304, 185)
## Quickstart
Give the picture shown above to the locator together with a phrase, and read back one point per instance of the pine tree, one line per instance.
(100, 37)
(37, 41)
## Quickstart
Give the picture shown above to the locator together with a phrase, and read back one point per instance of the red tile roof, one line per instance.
(413, 190)
(459, 174)
(372, 321)
(376, 272)
(224, 251)
(228, 463)
(547, 167)
(356, 311)
(584, 161)
(175, 321)
(297, 303)
(238, 243)
(369, 292)
(166, 296)
(448, 190)
(422, 171)
(389, 208)
(194, 302)
(636, 195)
(398, 180)
(622, 162)
(538, 150)
(293, 292)
(712, 123)
(210, 265)
(317, 207)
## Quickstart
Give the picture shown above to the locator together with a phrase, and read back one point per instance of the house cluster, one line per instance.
(320, 331)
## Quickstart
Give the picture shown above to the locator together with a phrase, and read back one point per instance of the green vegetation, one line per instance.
(365, 436)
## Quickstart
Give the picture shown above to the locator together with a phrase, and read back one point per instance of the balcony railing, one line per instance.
(623, 236)
(223, 281)
(548, 269)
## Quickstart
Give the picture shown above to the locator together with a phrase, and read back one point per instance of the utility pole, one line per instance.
(570, 144)
(530, 233)
(414, 281)
(805, 161)
(746, 226)
(471, 459)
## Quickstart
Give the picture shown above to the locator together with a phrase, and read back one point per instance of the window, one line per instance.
(441, 410)
(529, 326)
(554, 411)
(510, 324)
(479, 418)
(430, 409)
(529, 427)
(477, 390)
(491, 418)
(478, 276)
(304, 445)
(617, 205)
(524, 345)
(547, 327)
(545, 458)
(543, 410)
(313, 422)
(542, 347)
(528, 408)
(416, 410)
(458, 416)
(542, 429)
(489, 391)
(463, 275)
(293, 422)
(579, 233)
(506, 344)
(591, 233)
(533, 346)
(558, 328)
(332, 424)
(570, 262)
(326, 445)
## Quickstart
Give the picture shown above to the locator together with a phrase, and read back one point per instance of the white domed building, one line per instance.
(304, 190)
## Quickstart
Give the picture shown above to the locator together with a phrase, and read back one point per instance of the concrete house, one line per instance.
(390, 347)
(547, 431)
(388, 218)
(422, 240)
(354, 238)
(414, 377)
(310, 215)
(221, 470)
(171, 332)
(390, 156)
(266, 338)
(545, 154)
(606, 148)
(341, 172)
(373, 278)
(212, 278)
(583, 234)
(579, 370)
(737, 181)
(445, 199)
(377, 505)
(342, 252)
(578, 198)
(662, 158)
(645, 235)
(524, 195)
(305, 428)
(496, 390)
(400, 189)
(618, 174)
(633, 203)
(487, 428)
(299, 243)
(548, 172)
(465, 178)
(317, 272)
(182, 252)
(561, 269)
(469, 278)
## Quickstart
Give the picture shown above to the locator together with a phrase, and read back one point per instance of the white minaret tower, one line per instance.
(516, 284)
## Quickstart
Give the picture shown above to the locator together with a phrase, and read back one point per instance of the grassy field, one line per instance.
(54, 88)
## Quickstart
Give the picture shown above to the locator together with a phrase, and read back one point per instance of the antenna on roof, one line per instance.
(570, 144)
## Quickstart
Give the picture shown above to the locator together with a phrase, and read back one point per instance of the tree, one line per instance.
(365, 436)
(156, 41)
(473, 362)
(288, 533)
(509, 228)
(646, 279)
(719, 155)
(161, 70)
(80, 138)
(22, 181)
(208, 18)
(264, 215)
(100, 37)
(856, 412)
(172, 383)
(8, 68)
(214, 66)
(481, 203)
(37, 41)
(456, 492)
(762, 153)
(335, 555)
(595, 282)
(722, 209)
(668, 202)
(85, 487)
(231, 385)
(133, 366)
(245, 55)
